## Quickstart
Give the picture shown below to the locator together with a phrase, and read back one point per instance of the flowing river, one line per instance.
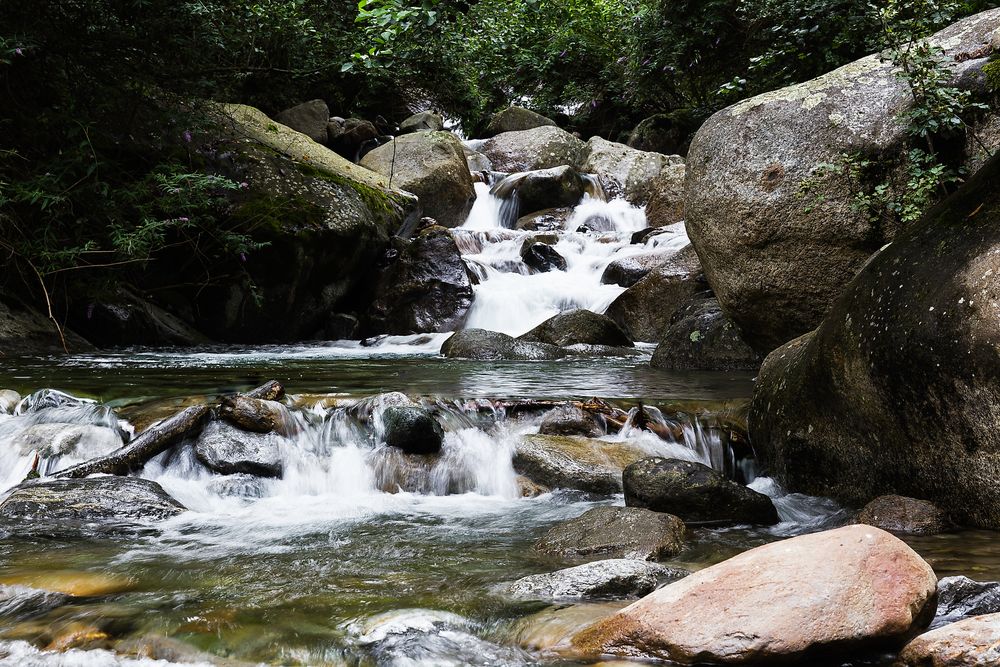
(330, 564)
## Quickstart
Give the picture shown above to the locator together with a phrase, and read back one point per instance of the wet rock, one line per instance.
(702, 338)
(576, 327)
(899, 514)
(575, 462)
(538, 148)
(895, 392)
(396, 471)
(542, 257)
(56, 439)
(527, 488)
(25, 331)
(629, 173)
(961, 597)
(254, 414)
(238, 485)
(570, 420)
(21, 602)
(412, 429)
(541, 189)
(614, 578)
(352, 138)
(8, 401)
(425, 121)
(76, 508)
(553, 627)
(428, 637)
(695, 493)
(368, 407)
(806, 596)
(158, 647)
(973, 642)
(647, 308)
(551, 219)
(78, 635)
(426, 289)
(228, 450)
(341, 326)
(516, 119)
(310, 118)
(125, 318)
(432, 166)
(775, 259)
(615, 532)
(494, 346)
(666, 198)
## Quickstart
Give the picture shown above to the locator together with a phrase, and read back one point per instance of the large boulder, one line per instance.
(325, 223)
(695, 493)
(666, 133)
(974, 642)
(432, 166)
(25, 331)
(541, 189)
(809, 596)
(412, 429)
(666, 199)
(701, 338)
(615, 532)
(310, 118)
(626, 172)
(529, 150)
(647, 308)
(896, 391)
(516, 119)
(495, 346)
(424, 289)
(899, 514)
(425, 121)
(352, 137)
(578, 327)
(123, 317)
(227, 450)
(612, 578)
(775, 258)
(575, 462)
(79, 507)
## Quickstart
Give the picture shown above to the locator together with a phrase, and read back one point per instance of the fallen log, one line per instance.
(154, 440)
(159, 438)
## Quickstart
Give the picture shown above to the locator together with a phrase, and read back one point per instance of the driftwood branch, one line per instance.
(154, 440)
(159, 438)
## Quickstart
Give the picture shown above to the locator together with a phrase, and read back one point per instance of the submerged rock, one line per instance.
(495, 346)
(775, 258)
(695, 493)
(228, 450)
(412, 429)
(79, 507)
(614, 578)
(578, 327)
(896, 391)
(432, 166)
(21, 602)
(899, 514)
(426, 289)
(56, 439)
(615, 532)
(823, 594)
(8, 401)
(574, 462)
(973, 642)
(702, 338)
(537, 148)
(570, 420)
(516, 119)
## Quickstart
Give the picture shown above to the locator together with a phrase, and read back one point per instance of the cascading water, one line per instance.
(512, 298)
